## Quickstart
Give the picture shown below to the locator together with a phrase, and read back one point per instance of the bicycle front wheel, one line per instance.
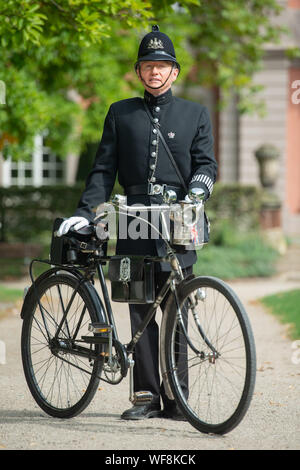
(210, 355)
(60, 373)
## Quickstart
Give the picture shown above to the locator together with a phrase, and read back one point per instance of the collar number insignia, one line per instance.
(155, 44)
(171, 135)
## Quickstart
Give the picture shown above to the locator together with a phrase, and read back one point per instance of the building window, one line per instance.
(45, 168)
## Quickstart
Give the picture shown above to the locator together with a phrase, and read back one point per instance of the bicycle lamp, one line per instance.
(200, 294)
(197, 195)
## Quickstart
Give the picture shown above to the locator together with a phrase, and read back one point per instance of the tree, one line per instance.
(229, 42)
(64, 61)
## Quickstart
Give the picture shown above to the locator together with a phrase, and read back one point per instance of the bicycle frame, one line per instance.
(111, 337)
(106, 312)
(69, 325)
(172, 284)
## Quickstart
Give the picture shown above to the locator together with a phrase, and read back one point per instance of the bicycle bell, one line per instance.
(169, 196)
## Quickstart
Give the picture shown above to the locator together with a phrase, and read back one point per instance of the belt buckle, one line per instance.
(154, 189)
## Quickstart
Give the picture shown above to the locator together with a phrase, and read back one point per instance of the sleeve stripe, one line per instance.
(204, 179)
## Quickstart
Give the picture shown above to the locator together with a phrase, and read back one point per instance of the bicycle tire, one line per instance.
(62, 384)
(213, 387)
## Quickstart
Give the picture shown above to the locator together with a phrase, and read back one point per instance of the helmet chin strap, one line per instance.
(154, 87)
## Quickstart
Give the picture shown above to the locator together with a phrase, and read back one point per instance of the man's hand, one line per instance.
(76, 222)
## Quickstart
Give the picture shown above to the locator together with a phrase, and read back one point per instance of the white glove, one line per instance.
(76, 222)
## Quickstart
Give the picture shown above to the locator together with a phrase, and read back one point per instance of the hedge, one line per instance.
(233, 208)
(27, 213)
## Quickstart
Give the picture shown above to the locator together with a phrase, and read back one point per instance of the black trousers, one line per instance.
(146, 355)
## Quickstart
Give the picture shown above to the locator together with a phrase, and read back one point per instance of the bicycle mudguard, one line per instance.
(163, 326)
(162, 354)
(97, 302)
(30, 291)
(30, 294)
(163, 367)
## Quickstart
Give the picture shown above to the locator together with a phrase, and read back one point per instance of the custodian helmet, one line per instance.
(156, 46)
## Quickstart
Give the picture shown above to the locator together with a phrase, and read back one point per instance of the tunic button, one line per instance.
(155, 120)
(157, 109)
(154, 131)
(152, 167)
(153, 154)
(153, 179)
(154, 142)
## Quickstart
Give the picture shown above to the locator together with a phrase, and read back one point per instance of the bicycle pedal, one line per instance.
(142, 398)
(100, 328)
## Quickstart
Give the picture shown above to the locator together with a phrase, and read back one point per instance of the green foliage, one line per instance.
(26, 212)
(88, 47)
(27, 215)
(232, 209)
(236, 248)
(240, 255)
(83, 22)
(229, 45)
(50, 49)
(285, 305)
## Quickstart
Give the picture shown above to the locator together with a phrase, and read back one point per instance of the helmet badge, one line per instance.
(155, 44)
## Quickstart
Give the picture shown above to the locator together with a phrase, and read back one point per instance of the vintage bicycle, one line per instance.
(70, 340)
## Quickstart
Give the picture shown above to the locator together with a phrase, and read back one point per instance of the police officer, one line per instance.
(131, 147)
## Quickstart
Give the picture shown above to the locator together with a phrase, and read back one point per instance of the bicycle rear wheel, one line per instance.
(211, 368)
(61, 379)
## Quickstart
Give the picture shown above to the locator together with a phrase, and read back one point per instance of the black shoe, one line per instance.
(142, 412)
(173, 412)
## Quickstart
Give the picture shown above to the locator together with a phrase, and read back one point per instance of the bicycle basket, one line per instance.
(132, 279)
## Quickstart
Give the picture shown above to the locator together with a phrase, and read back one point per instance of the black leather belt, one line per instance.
(152, 189)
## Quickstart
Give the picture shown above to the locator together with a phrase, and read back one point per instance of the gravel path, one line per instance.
(272, 422)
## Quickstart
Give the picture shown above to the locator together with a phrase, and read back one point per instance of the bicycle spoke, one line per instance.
(59, 379)
(210, 384)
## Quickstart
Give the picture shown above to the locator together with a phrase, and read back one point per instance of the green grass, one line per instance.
(286, 306)
(8, 294)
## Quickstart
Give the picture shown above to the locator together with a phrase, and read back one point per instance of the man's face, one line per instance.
(156, 73)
